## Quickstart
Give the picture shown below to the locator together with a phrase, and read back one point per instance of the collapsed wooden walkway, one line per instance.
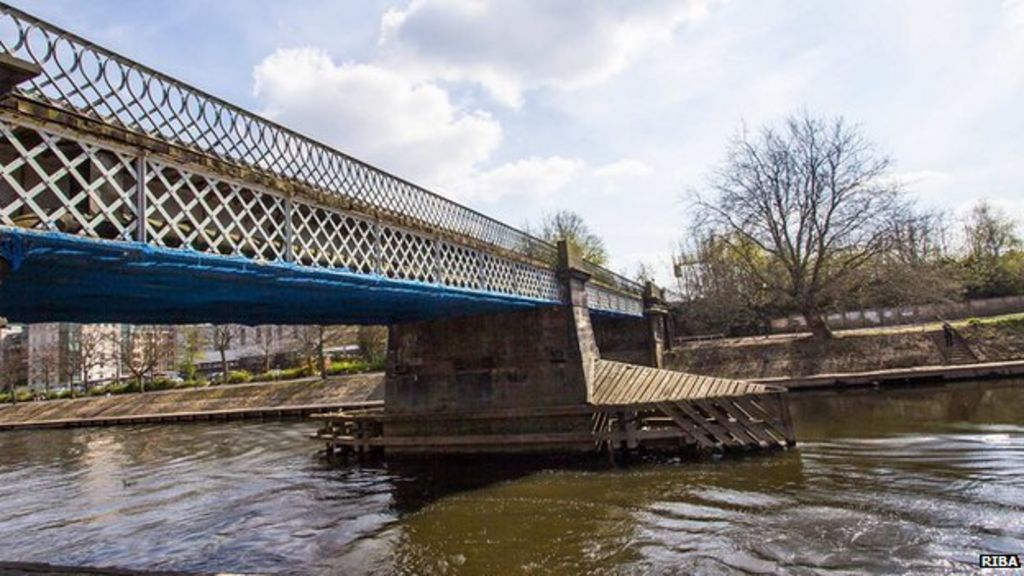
(638, 406)
(632, 409)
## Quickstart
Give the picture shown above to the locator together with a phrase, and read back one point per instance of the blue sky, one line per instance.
(615, 109)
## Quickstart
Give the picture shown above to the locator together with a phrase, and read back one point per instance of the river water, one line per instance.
(914, 481)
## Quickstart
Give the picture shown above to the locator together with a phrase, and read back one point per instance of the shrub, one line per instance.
(239, 376)
(355, 366)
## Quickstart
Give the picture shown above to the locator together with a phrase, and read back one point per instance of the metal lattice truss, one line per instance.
(610, 300)
(64, 183)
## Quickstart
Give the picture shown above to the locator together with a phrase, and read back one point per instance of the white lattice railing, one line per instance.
(64, 183)
(60, 182)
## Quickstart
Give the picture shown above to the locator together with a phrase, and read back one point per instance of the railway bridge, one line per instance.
(129, 196)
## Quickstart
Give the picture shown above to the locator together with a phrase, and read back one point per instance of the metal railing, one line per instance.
(88, 79)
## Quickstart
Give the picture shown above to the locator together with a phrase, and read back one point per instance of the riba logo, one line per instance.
(999, 561)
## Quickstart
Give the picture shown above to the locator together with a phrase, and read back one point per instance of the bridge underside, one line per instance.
(58, 277)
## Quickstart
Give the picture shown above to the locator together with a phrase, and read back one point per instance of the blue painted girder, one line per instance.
(58, 277)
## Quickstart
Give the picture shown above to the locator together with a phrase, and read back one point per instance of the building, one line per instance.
(149, 350)
(255, 348)
(60, 354)
(13, 359)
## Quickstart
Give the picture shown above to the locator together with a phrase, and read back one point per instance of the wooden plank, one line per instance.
(723, 417)
(714, 429)
(641, 382)
(661, 388)
(713, 387)
(692, 430)
(787, 421)
(771, 422)
(616, 437)
(483, 439)
(755, 428)
(616, 381)
(608, 380)
(678, 384)
(644, 385)
(702, 386)
(694, 384)
(600, 376)
(628, 383)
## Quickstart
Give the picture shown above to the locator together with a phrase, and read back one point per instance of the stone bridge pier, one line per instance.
(525, 378)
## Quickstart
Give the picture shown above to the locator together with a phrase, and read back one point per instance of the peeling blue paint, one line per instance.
(58, 277)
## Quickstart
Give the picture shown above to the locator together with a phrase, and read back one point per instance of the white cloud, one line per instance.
(531, 178)
(512, 46)
(1014, 12)
(376, 114)
(410, 128)
(626, 168)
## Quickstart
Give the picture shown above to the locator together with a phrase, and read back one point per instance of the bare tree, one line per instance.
(89, 353)
(812, 200)
(7, 368)
(569, 226)
(140, 352)
(45, 359)
(309, 340)
(990, 232)
(222, 337)
(373, 343)
(267, 343)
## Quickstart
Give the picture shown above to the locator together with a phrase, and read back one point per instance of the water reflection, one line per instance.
(915, 480)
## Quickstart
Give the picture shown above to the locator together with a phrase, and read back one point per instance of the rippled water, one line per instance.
(915, 481)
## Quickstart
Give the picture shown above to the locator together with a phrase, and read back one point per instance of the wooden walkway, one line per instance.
(633, 408)
(618, 383)
(230, 402)
(638, 406)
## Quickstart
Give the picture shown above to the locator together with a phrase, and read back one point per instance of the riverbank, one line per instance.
(896, 348)
(898, 376)
(254, 400)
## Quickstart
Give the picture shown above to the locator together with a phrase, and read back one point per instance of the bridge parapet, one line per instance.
(312, 205)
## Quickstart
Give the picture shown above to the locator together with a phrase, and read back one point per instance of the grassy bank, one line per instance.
(992, 339)
(309, 392)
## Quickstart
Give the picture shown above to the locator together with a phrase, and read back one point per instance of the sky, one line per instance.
(619, 110)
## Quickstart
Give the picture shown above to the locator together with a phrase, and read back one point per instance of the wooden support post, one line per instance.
(630, 429)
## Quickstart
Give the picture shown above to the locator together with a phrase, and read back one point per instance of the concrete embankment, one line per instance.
(895, 376)
(861, 357)
(256, 400)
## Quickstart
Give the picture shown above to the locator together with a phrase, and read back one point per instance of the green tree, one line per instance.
(192, 344)
(994, 262)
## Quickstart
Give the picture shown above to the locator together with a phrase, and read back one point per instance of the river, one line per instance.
(915, 481)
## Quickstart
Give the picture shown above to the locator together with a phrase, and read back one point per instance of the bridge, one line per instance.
(125, 189)
(129, 196)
